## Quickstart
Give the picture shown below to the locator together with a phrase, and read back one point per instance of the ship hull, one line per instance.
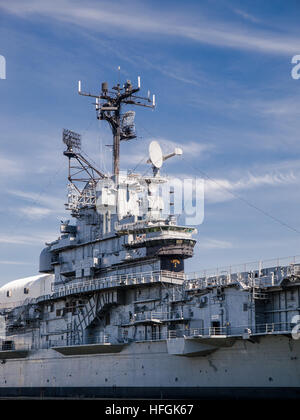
(269, 368)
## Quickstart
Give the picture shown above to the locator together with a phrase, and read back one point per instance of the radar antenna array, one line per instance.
(72, 139)
(128, 126)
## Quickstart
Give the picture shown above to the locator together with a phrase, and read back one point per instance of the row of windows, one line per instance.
(9, 292)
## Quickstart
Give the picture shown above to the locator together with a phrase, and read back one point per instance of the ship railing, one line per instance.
(215, 331)
(234, 331)
(178, 333)
(153, 336)
(172, 274)
(241, 331)
(100, 339)
(273, 327)
(161, 235)
(253, 274)
(153, 316)
(119, 280)
(199, 332)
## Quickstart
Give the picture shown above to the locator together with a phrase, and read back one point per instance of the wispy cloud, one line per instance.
(106, 17)
(209, 243)
(8, 262)
(285, 107)
(9, 166)
(246, 16)
(223, 189)
(35, 212)
(219, 190)
(34, 239)
(51, 204)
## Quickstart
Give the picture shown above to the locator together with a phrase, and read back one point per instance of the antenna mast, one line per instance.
(108, 107)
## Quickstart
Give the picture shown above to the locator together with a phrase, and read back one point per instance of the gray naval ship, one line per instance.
(113, 313)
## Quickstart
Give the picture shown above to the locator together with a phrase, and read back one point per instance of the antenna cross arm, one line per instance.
(106, 97)
(88, 94)
(128, 94)
(109, 108)
(138, 104)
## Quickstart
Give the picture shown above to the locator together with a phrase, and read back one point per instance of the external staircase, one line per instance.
(93, 307)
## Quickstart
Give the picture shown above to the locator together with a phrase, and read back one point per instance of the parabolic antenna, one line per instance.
(155, 154)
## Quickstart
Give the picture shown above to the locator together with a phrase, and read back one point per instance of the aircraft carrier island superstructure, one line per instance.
(113, 313)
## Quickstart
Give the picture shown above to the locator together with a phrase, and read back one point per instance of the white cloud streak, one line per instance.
(8, 262)
(35, 212)
(102, 16)
(221, 189)
(35, 239)
(52, 202)
(52, 205)
(207, 243)
(246, 16)
(9, 166)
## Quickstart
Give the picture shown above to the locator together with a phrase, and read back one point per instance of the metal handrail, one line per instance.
(121, 279)
(248, 275)
(256, 266)
(244, 331)
(101, 339)
(223, 332)
(153, 316)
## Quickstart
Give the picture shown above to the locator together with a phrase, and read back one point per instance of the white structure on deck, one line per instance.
(15, 293)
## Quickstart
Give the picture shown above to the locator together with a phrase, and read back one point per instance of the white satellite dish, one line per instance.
(155, 154)
(157, 158)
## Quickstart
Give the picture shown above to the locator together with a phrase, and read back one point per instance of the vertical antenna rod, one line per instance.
(108, 107)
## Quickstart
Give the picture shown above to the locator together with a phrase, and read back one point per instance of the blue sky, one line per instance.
(221, 72)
